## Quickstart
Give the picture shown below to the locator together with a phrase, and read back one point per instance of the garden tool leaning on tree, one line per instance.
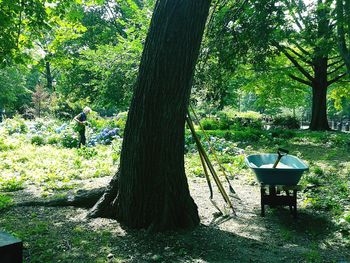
(206, 163)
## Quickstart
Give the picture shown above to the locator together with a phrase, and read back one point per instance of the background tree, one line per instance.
(304, 34)
(13, 89)
(19, 22)
(343, 30)
(105, 70)
(150, 190)
(40, 100)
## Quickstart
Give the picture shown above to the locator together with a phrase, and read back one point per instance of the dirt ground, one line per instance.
(66, 235)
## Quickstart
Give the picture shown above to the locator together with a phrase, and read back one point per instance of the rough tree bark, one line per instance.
(319, 86)
(150, 189)
(319, 121)
(48, 76)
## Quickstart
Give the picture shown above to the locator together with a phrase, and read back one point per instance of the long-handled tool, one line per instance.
(209, 183)
(232, 191)
(205, 161)
(281, 152)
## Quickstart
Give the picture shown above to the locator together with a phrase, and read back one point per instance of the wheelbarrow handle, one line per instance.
(281, 152)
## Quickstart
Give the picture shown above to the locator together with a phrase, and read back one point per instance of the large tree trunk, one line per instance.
(48, 76)
(150, 189)
(319, 121)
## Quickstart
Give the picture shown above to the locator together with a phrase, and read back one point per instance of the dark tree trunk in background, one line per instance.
(319, 121)
(48, 76)
(150, 189)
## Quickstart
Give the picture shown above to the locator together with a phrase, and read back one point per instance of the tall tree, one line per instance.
(19, 21)
(343, 30)
(150, 189)
(312, 56)
(105, 70)
(303, 33)
(13, 91)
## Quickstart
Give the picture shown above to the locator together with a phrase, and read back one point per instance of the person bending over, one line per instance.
(81, 120)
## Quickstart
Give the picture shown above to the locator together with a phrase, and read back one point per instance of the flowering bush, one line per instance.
(106, 136)
(15, 125)
(53, 132)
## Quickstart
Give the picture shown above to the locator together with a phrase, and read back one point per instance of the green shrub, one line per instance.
(98, 123)
(5, 201)
(225, 123)
(318, 171)
(65, 109)
(210, 124)
(11, 185)
(121, 124)
(246, 135)
(38, 140)
(16, 125)
(69, 141)
(121, 120)
(3, 146)
(87, 152)
(39, 125)
(338, 139)
(287, 122)
(284, 134)
(53, 140)
(234, 120)
(312, 179)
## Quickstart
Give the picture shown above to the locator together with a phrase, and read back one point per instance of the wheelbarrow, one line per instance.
(286, 175)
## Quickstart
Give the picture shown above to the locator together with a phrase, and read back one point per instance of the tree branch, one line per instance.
(295, 62)
(292, 13)
(19, 23)
(300, 56)
(334, 63)
(335, 79)
(301, 48)
(336, 69)
(298, 12)
(338, 56)
(303, 81)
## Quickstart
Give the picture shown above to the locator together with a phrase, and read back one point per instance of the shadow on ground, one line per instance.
(65, 235)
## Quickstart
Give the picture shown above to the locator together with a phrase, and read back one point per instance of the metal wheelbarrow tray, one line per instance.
(286, 174)
(288, 171)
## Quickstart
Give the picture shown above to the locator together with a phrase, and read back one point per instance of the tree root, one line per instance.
(83, 198)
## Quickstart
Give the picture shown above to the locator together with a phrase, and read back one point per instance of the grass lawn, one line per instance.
(321, 234)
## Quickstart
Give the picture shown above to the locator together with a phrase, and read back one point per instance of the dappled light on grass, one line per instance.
(37, 172)
(84, 240)
(50, 168)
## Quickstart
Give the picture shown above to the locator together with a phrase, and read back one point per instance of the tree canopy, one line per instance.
(89, 52)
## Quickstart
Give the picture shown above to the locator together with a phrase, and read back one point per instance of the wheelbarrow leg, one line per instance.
(295, 203)
(272, 195)
(262, 200)
(290, 205)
